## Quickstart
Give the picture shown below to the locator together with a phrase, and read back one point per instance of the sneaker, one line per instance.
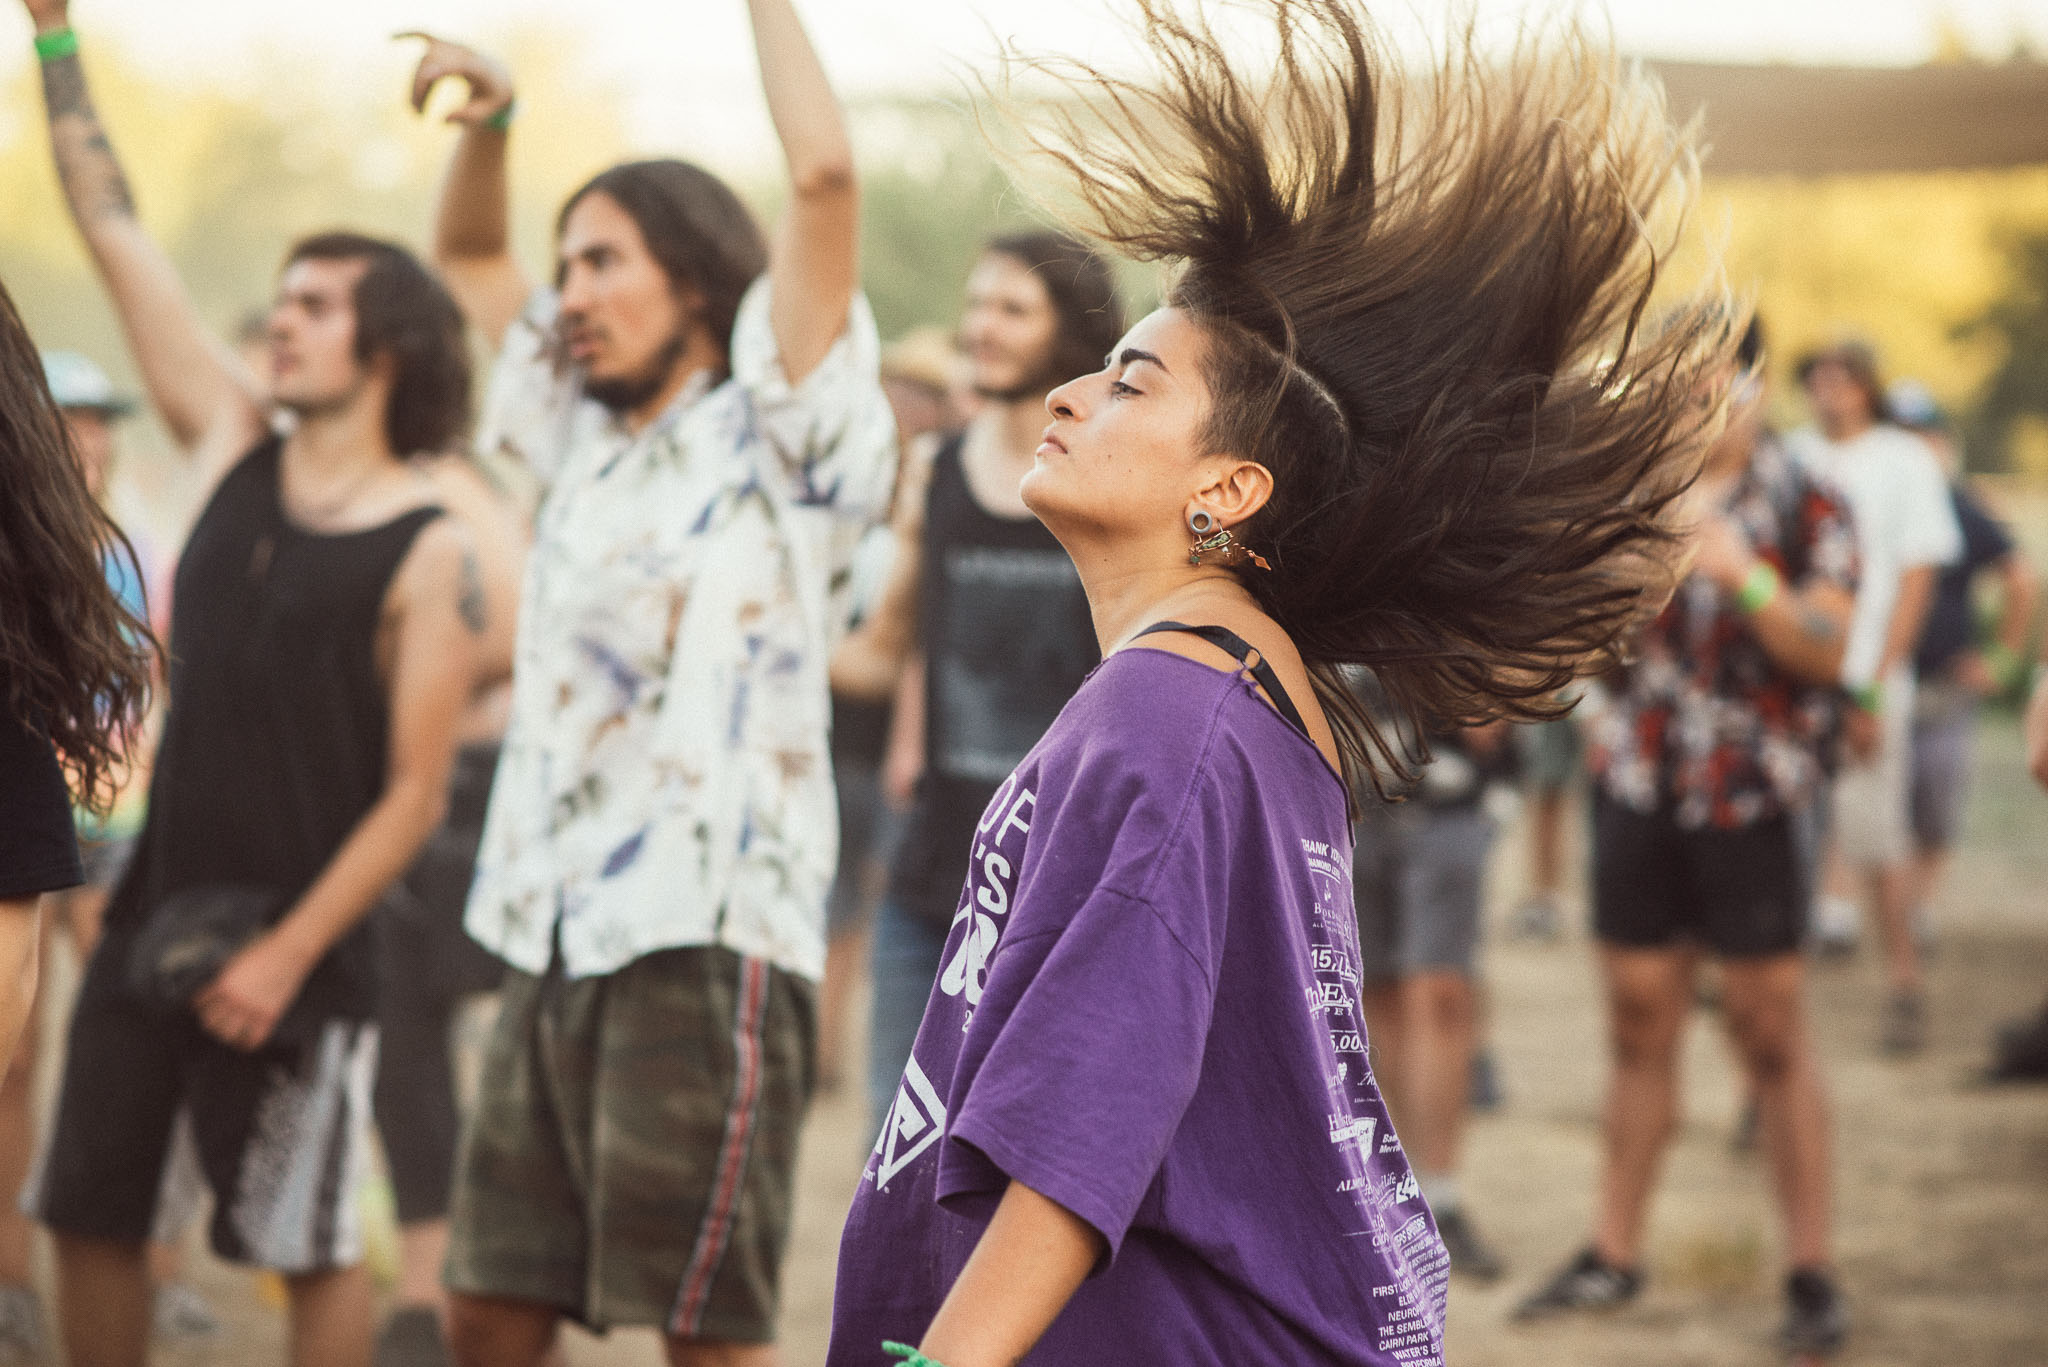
(1905, 1025)
(1816, 1321)
(1837, 927)
(179, 1314)
(1584, 1283)
(1536, 919)
(21, 1325)
(412, 1338)
(1470, 1257)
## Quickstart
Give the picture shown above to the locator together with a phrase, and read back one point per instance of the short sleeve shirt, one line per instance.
(1950, 628)
(665, 778)
(1148, 1011)
(38, 852)
(1904, 521)
(1701, 722)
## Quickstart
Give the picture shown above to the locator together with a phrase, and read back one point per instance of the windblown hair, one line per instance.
(75, 663)
(1425, 296)
(403, 310)
(1082, 288)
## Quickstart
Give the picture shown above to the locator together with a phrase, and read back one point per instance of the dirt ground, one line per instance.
(1942, 1184)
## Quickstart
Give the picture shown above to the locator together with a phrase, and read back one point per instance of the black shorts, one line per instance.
(282, 1133)
(1741, 893)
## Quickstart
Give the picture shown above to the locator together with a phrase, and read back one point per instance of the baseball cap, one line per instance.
(1913, 405)
(77, 382)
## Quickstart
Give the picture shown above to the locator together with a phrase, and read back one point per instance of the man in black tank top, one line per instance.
(324, 638)
(984, 607)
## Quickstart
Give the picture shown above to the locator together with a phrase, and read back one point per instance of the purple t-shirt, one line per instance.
(1147, 1011)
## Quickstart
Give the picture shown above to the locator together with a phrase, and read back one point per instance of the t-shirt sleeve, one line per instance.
(530, 403)
(1928, 534)
(830, 438)
(38, 848)
(1087, 1044)
(1098, 1053)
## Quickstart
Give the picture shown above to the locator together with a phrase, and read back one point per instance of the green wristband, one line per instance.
(1869, 697)
(502, 120)
(1759, 589)
(909, 1356)
(56, 45)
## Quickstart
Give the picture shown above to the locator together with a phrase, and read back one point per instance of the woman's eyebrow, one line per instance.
(1131, 354)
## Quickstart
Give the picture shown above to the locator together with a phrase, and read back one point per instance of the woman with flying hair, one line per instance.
(74, 663)
(1400, 411)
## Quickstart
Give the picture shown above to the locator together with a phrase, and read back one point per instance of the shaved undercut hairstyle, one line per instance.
(1424, 294)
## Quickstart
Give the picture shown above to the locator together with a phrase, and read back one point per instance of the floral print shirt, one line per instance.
(1701, 723)
(666, 778)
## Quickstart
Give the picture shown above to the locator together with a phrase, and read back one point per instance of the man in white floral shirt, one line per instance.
(702, 412)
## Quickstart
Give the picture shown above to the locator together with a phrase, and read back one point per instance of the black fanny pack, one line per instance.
(190, 936)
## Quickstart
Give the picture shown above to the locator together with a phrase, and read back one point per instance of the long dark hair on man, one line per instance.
(1425, 294)
(75, 663)
(404, 310)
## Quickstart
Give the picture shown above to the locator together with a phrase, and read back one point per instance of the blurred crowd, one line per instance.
(431, 736)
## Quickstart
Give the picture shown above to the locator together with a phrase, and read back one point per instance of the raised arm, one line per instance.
(472, 240)
(213, 407)
(1803, 628)
(814, 258)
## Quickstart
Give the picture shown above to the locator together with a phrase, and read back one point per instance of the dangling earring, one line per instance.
(1226, 549)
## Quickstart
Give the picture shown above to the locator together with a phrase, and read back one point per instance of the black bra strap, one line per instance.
(1226, 639)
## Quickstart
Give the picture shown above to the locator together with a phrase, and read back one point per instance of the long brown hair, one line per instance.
(1425, 295)
(74, 662)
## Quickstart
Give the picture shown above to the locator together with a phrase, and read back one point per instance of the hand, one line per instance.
(1861, 735)
(1722, 553)
(902, 767)
(244, 1002)
(1974, 673)
(489, 82)
(48, 15)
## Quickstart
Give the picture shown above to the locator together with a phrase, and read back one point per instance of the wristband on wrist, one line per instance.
(57, 44)
(909, 1356)
(502, 120)
(1760, 588)
(1869, 696)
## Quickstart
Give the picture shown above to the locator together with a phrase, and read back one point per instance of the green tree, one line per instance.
(2017, 324)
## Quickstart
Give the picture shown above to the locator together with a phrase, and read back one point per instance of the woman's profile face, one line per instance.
(1123, 452)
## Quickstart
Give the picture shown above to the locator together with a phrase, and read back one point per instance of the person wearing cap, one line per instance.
(1955, 666)
(1905, 531)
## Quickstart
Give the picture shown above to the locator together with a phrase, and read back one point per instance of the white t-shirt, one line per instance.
(1904, 520)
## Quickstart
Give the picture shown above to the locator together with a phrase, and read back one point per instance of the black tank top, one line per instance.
(275, 735)
(1007, 639)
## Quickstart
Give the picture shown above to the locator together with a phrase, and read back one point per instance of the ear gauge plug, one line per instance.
(1200, 522)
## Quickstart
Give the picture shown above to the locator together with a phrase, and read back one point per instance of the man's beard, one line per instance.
(627, 393)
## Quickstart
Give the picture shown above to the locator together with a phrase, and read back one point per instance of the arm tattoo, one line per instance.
(469, 599)
(92, 176)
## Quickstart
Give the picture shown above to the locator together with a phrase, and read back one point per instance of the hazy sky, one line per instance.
(682, 63)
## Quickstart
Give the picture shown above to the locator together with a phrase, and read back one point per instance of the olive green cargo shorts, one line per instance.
(631, 1158)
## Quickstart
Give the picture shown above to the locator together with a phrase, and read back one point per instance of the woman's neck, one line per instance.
(1123, 599)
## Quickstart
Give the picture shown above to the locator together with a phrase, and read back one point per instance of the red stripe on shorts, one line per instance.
(716, 1230)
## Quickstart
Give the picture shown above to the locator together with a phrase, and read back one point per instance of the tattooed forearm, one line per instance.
(469, 599)
(92, 177)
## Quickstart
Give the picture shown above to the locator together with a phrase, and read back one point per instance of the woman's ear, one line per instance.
(1235, 492)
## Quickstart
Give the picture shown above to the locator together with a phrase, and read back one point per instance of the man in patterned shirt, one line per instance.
(702, 411)
(1705, 756)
